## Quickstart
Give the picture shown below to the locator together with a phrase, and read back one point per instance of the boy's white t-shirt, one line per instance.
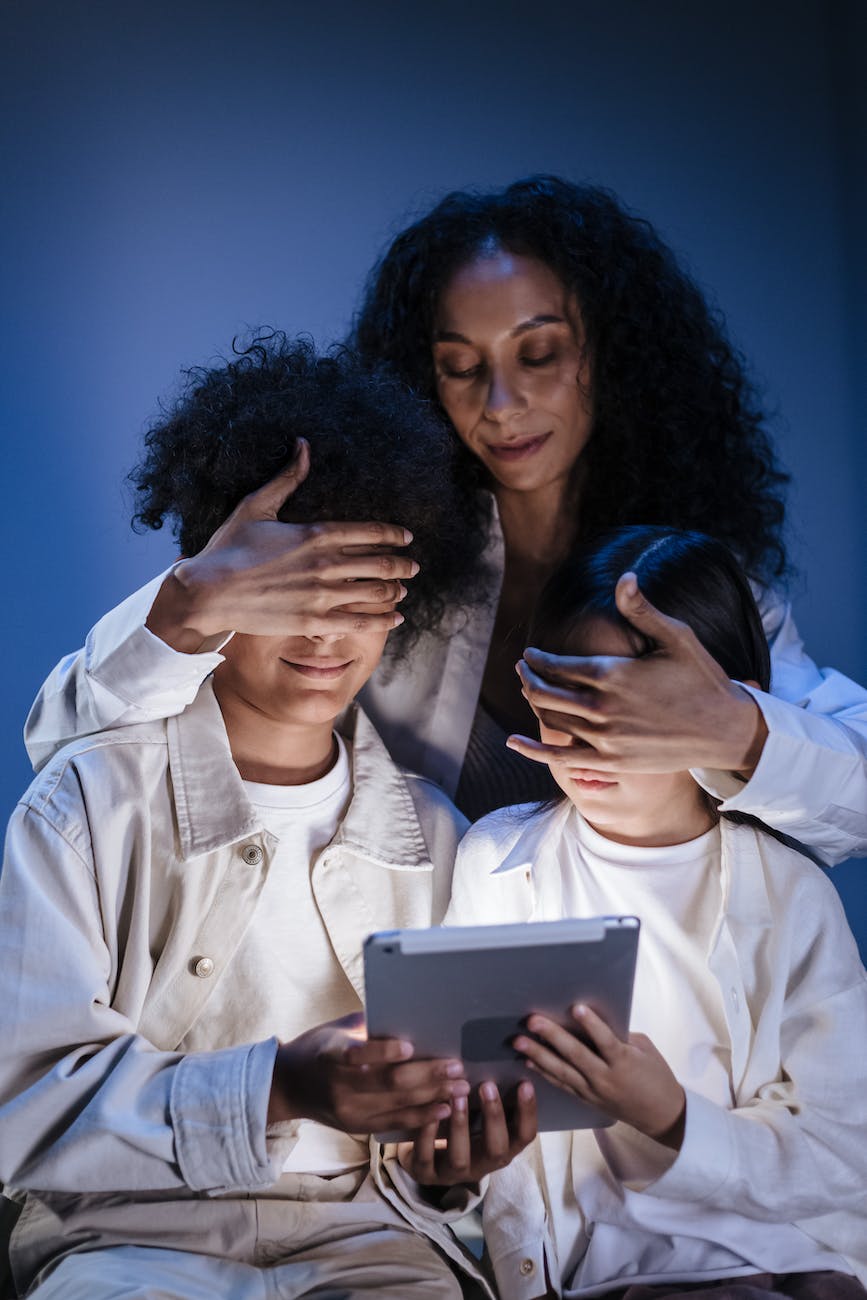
(286, 955)
(615, 1233)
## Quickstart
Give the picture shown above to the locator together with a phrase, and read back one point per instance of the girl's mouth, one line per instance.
(521, 449)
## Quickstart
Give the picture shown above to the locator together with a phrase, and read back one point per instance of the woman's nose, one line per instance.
(502, 399)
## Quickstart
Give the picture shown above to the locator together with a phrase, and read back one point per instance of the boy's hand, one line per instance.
(334, 1075)
(462, 1158)
(264, 577)
(629, 1081)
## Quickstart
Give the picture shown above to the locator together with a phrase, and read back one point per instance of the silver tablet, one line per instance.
(465, 991)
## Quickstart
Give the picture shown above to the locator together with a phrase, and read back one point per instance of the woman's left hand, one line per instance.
(667, 711)
(630, 1081)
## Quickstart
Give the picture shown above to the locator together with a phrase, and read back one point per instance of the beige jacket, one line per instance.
(133, 867)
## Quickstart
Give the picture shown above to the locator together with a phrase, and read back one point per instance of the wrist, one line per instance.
(178, 616)
(752, 734)
(283, 1105)
(672, 1132)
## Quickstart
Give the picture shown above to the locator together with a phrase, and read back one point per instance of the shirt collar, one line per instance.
(212, 808)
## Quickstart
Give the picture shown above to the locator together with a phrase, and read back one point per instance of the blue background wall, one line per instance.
(174, 173)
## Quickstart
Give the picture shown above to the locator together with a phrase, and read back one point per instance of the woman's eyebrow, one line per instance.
(452, 336)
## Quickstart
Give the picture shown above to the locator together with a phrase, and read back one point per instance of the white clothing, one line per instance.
(135, 866)
(286, 954)
(810, 782)
(773, 1165)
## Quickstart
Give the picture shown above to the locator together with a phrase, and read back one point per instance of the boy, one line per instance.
(185, 1091)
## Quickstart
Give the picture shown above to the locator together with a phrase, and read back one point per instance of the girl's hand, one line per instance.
(264, 577)
(667, 711)
(630, 1081)
(462, 1158)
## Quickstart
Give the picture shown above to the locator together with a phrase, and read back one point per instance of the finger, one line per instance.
(644, 616)
(373, 1052)
(409, 1119)
(342, 622)
(459, 1150)
(570, 699)
(563, 1043)
(525, 1119)
(266, 501)
(421, 1154)
(366, 596)
(427, 1073)
(571, 670)
(594, 1027)
(383, 566)
(570, 755)
(335, 534)
(495, 1131)
(563, 1074)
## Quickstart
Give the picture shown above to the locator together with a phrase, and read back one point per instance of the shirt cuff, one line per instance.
(704, 1161)
(218, 1109)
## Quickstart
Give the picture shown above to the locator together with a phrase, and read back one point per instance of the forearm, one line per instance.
(123, 1117)
(124, 674)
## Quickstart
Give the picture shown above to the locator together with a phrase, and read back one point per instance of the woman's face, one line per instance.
(511, 369)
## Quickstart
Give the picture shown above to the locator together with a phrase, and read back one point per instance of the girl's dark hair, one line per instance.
(686, 575)
(678, 432)
(377, 452)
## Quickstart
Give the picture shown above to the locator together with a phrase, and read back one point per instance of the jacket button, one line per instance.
(203, 968)
(526, 1267)
(252, 854)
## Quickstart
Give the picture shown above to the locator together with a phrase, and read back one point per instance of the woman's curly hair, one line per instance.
(678, 435)
(377, 452)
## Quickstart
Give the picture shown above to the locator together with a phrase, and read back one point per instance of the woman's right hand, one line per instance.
(264, 577)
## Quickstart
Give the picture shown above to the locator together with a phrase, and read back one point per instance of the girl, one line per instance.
(737, 1162)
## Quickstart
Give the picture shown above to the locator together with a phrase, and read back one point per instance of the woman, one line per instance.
(591, 385)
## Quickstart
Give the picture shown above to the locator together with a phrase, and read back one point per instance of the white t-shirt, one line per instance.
(618, 1235)
(285, 976)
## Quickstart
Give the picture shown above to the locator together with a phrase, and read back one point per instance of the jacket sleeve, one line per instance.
(794, 1146)
(124, 674)
(811, 780)
(86, 1103)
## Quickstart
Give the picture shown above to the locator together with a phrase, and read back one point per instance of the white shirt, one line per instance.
(790, 1147)
(607, 1231)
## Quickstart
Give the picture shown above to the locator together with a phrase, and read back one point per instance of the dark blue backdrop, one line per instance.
(173, 173)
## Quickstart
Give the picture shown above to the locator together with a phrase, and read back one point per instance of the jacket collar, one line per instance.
(213, 810)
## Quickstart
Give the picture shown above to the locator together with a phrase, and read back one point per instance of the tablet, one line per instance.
(465, 991)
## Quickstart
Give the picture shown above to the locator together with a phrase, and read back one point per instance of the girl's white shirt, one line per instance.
(754, 991)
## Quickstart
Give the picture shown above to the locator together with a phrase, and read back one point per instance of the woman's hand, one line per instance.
(667, 711)
(464, 1158)
(336, 1076)
(267, 578)
(629, 1081)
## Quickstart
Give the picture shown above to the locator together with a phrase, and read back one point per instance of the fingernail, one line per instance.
(401, 590)
(398, 619)
(488, 1091)
(520, 1044)
(406, 1049)
(454, 1070)
(579, 1010)
(459, 1089)
(525, 1091)
(415, 568)
(460, 1105)
(443, 1112)
(407, 536)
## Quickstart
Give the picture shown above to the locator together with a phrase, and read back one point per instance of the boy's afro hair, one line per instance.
(377, 452)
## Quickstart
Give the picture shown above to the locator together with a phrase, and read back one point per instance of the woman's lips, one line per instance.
(320, 670)
(592, 783)
(520, 449)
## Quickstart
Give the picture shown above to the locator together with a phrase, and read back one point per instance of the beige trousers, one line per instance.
(256, 1249)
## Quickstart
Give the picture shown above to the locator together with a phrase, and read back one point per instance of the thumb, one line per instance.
(266, 501)
(644, 616)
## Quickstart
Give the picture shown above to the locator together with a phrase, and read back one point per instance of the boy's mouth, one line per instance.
(319, 669)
